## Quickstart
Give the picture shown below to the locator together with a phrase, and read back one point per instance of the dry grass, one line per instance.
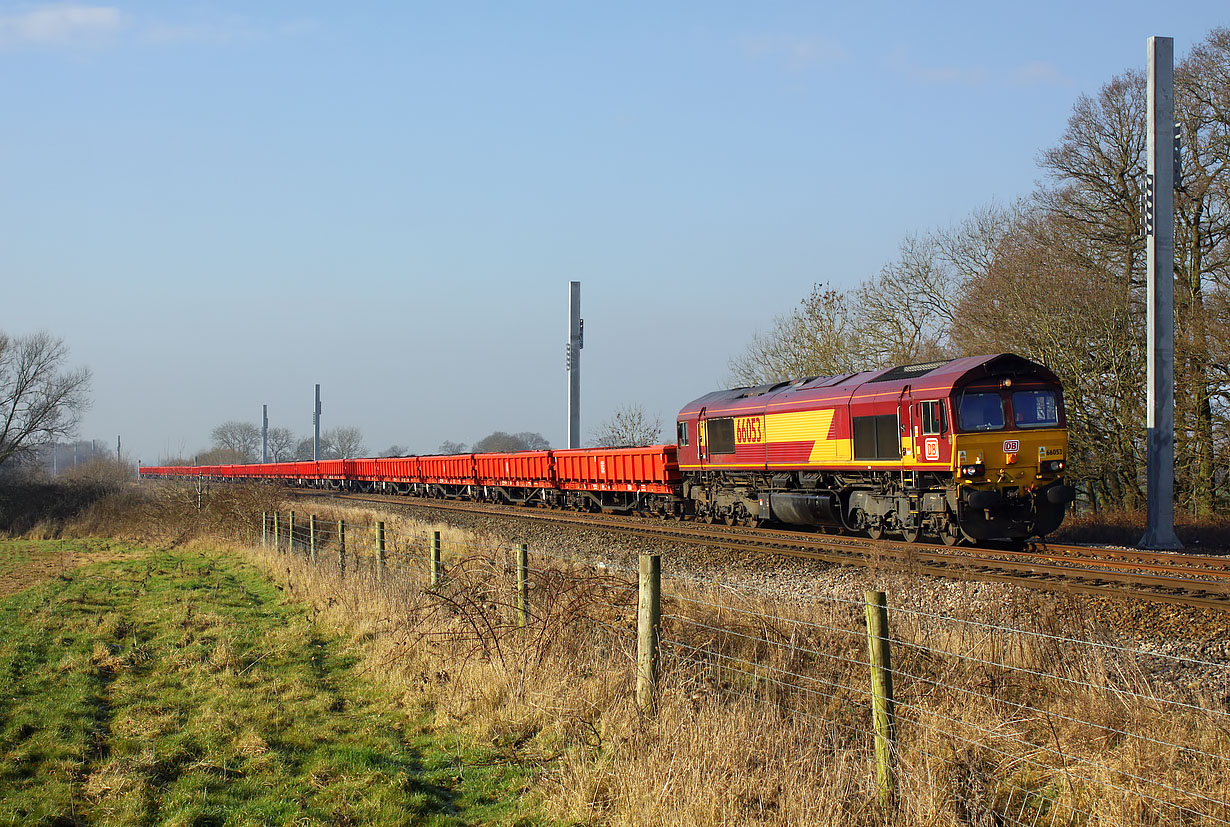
(763, 712)
(763, 706)
(1122, 527)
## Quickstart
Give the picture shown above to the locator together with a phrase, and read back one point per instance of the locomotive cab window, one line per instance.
(683, 434)
(934, 418)
(981, 412)
(1035, 409)
(720, 434)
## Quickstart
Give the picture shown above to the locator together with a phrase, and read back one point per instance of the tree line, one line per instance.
(1059, 276)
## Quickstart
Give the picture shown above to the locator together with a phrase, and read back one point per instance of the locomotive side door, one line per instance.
(702, 456)
(908, 421)
(687, 439)
(935, 432)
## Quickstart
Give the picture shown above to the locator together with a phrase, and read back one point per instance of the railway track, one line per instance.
(1182, 579)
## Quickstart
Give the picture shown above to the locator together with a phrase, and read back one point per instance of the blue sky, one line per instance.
(219, 204)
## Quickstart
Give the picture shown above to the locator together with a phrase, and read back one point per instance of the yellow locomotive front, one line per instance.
(1009, 453)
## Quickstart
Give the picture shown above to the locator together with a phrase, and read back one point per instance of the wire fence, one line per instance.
(1033, 722)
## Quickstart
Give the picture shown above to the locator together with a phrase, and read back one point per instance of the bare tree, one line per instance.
(396, 451)
(304, 447)
(628, 427)
(817, 338)
(533, 440)
(222, 456)
(243, 438)
(344, 442)
(1045, 299)
(905, 313)
(502, 441)
(281, 444)
(40, 400)
(450, 447)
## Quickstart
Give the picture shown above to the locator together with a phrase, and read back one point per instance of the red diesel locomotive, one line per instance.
(968, 449)
(965, 449)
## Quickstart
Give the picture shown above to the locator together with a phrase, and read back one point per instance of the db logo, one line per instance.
(1011, 446)
(932, 448)
(602, 466)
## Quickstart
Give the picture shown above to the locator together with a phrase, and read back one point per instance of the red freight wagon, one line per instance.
(331, 469)
(302, 470)
(524, 469)
(653, 469)
(364, 469)
(398, 469)
(455, 469)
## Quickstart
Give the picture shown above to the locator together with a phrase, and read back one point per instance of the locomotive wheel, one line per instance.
(910, 535)
(950, 535)
(876, 531)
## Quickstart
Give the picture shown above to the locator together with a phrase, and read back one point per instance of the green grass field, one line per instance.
(185, 688)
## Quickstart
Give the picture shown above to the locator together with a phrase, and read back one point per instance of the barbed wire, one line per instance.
(407, 554)
(816, 652)
(1048, 749)
(803, 689)
(1051, 676)
(791, 620)
(1053, 637)
(896, 672)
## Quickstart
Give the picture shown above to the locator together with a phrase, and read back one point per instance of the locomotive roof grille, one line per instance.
(910, 371)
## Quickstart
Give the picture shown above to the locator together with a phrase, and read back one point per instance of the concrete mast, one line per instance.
(1159, 229)
(576, 340)
(316, 427)
(264, 433)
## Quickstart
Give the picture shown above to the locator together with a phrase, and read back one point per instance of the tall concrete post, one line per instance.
(1160, 180)
(119, 455)
(264, 433)
(576, 340)
(316, 427)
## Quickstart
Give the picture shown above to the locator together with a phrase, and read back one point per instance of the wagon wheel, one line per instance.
(730, 519)
(875, 530)
(910, 535)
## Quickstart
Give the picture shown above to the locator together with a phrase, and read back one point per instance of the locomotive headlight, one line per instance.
(976, 470)
(1052, 466)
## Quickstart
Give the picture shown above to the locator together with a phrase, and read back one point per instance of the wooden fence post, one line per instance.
(435, 559)
(312, 538)
(523, 584)
(277, 533)
(264, 529)
(882, 712)
(341, 547)
(648, 627)
(290, 534)
(382, 563)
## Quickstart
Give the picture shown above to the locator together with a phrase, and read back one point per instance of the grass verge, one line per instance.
(183, 687)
